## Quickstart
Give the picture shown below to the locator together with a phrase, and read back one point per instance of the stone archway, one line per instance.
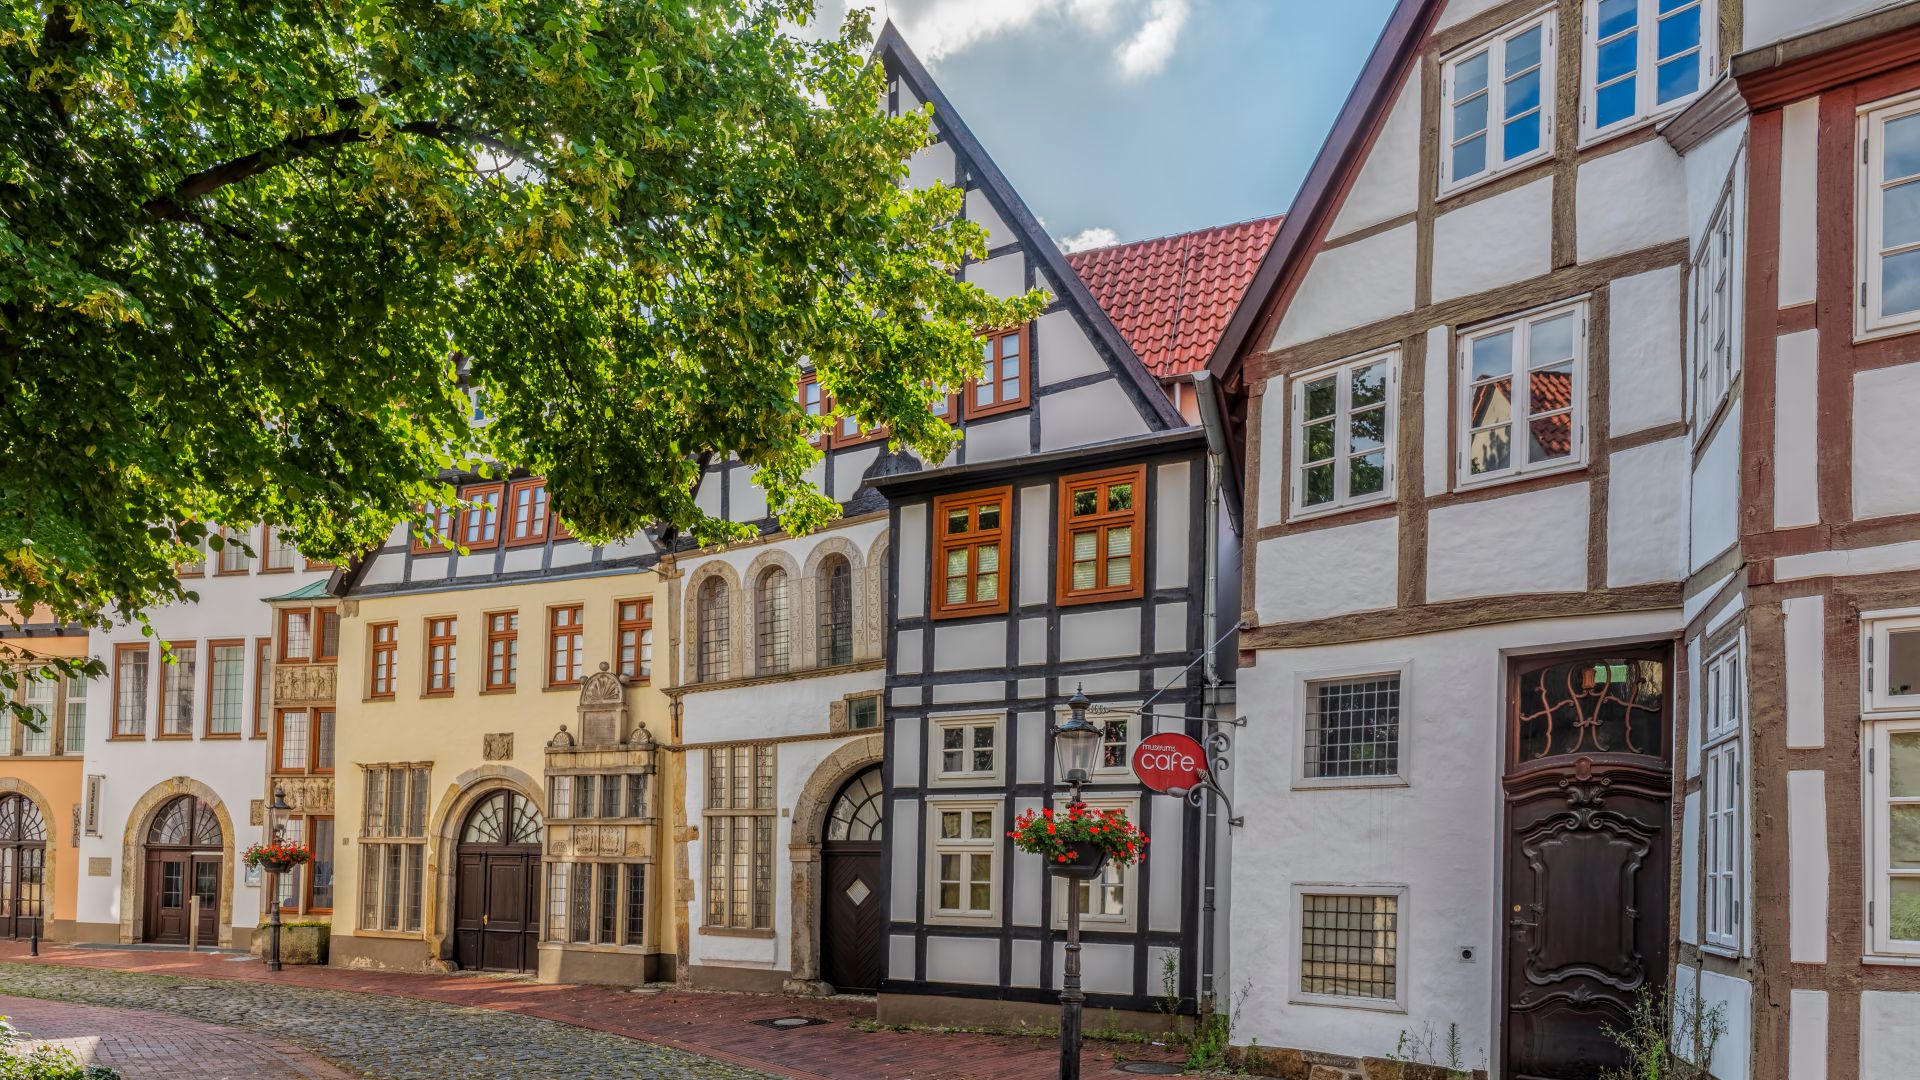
(10, 785)
(133, 862)
(443, 864)
(803, 852)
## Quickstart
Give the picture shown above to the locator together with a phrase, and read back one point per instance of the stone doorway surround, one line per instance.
(803, 852)
(443, 838)
(133, 860)
(11, 785)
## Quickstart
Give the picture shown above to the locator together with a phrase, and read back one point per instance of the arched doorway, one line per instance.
(23, 867)
(850, 872)
(183, 862)
(496, 920)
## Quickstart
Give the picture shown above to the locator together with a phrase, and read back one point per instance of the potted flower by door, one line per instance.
(279, 856)
(1080, 842)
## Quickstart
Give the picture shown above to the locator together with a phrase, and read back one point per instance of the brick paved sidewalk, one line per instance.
(142, 1044)
(714, 1025)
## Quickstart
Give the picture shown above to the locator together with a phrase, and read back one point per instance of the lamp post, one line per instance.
(1076, 744)
(274, 809)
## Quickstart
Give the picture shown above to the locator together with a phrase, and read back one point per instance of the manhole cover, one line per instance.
(784, 1023)
(1151, 1068)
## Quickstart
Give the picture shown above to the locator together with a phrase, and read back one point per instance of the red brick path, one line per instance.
(144, 1044)
(713, 1024)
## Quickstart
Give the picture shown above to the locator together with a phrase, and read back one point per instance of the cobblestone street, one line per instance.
(386, 1037)
(393, 1026)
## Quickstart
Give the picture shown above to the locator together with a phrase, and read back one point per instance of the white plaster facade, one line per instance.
(135, 771)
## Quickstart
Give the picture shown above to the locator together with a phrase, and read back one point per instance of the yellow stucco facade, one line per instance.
(445, 756)
(52, 779)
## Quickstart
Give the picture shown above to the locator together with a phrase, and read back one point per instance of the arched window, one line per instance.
(775, 603)
(185, 822)
(836, 611)
(712, 662)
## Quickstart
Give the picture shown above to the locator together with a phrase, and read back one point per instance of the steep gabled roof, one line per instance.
(1141, 386)
(1343, 152)
(1171, 296)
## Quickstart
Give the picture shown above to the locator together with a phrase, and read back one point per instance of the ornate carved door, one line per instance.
(850, 920)
(1588, 794)
(496, 919)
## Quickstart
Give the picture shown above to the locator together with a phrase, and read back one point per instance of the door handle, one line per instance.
(1521, 924)
(484, 920)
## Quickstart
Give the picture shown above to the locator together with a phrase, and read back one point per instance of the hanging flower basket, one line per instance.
(1079, 842)
(279, 856)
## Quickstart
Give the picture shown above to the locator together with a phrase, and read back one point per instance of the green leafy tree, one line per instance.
(253, 255)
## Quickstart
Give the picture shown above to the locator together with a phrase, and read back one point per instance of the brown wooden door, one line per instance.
(850, 922)
(166, 914)
(1588, 804)
(204, 881)
(496, 923)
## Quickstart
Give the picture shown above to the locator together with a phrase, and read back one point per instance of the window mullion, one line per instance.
(1342, 433)
(1497, 104)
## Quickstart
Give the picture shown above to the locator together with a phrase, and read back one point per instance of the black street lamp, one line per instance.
(1076, 746)
(274, 827)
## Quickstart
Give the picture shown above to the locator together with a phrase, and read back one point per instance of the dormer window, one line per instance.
(1643, 58)
(1498, 104)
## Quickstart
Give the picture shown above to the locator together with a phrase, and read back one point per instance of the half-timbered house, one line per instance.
(1799, 901)
(1066, 545)
(1459, 390)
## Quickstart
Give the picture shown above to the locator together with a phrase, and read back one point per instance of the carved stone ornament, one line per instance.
(603, 687)
(304, 684)
(603, 710)
(561, 740)
(497, 746)
(307, 794)
(257, 812)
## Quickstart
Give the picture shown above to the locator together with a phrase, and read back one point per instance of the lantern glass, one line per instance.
(1076, 747)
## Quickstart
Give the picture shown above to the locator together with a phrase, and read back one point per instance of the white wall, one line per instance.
(1503, 546)
(1885, 402)
(1437, 836)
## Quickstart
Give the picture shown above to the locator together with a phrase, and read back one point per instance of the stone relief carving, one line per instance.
(603, 709)
(304, 684)
(305, 794)
(497, 746)
(257, 812)
(561, 740)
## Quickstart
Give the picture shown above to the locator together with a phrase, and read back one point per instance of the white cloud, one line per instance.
(1147, 30)
(1150, 47)
(1098, 236)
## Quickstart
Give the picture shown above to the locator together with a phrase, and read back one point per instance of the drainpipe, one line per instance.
(1206, 395)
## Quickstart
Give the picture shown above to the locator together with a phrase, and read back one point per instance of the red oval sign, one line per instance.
(1169, 760)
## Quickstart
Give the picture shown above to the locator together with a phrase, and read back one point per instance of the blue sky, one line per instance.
(1143, 117)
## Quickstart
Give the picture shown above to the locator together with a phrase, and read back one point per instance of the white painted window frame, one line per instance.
(1877, 629)
(937, 726)
(1718, 258)
(1645, 74)
(1495, 46)
(1880, 944)
(1303, 684)
(1723, 800)
(1342, 369)
(1129, 879)
(994, 844)
(1297, 949)
(1522, 414)
(1869, 208)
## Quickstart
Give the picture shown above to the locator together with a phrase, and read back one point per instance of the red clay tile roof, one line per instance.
(1171, 297)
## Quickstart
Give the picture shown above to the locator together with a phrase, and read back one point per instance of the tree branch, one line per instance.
(173, 205)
